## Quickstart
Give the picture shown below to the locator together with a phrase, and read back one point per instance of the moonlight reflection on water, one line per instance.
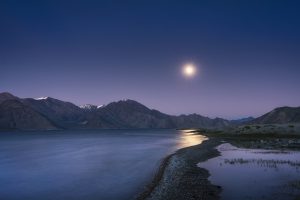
(86, 164)
(188, 138)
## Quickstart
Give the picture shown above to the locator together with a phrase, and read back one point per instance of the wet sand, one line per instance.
(179, 177)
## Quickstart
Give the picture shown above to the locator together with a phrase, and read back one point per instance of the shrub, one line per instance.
(247, 127)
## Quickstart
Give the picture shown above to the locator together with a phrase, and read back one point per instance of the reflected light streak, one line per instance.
(189, 138)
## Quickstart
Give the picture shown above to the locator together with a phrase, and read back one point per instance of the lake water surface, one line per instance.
(106, 164)
(255, 174)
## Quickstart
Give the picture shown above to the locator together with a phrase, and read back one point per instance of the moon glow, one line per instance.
(189, 70)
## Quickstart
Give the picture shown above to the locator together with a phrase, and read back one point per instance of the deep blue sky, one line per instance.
(247, 53)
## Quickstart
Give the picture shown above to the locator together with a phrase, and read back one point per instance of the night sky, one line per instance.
(247, 53)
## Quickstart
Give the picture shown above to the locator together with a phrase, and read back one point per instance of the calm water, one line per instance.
(255, 174)
(110, 164)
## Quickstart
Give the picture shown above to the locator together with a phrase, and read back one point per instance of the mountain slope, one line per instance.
(242, 121)
(198, 121)
(64, 114)
(53, 113)
(280, 115)
(129, 114)
(15, 115)
(7, 96)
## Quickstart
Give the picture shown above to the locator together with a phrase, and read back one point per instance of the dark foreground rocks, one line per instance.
(179, 178)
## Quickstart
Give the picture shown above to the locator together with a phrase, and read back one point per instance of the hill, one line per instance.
(281, 115)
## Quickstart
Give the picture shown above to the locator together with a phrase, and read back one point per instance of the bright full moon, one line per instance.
(189, 70)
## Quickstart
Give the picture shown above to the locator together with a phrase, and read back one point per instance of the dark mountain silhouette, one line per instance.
(49, 113)
(63, 114)
(121, 114)
(15, 115)
(129, 114)
(7, 96)
(132, 114)
(279, 115)
(195, 121)
(242, 121)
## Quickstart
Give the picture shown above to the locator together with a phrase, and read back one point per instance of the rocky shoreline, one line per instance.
(179, 178)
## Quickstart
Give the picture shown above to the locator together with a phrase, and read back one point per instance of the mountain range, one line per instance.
(51, 114)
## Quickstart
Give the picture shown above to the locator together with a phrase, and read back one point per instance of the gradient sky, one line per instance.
(247, 53)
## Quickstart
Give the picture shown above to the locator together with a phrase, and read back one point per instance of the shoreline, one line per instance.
(179, 177)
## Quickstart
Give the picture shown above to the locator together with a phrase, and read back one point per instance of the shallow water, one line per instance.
(106, 164)
(255, 174)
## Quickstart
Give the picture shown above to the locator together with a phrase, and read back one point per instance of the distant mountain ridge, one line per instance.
(51, 114)
(242, 120)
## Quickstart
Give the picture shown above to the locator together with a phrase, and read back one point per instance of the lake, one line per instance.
(255, 173)
(86, 164)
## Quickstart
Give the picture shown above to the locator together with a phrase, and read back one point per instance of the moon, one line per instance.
(189, 70)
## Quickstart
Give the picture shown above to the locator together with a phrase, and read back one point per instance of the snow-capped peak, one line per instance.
(87, 106)
(41, 98)
(90, 106)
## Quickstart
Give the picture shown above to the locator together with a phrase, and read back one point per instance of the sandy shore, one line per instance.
(179, 178)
